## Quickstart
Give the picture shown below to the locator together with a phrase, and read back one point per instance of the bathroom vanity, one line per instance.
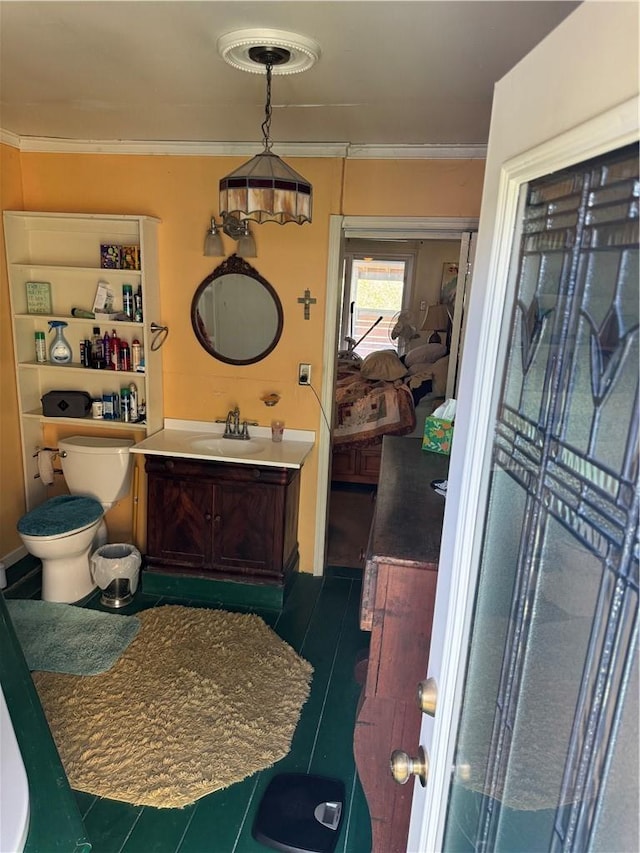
(232, 520)
(223, 509)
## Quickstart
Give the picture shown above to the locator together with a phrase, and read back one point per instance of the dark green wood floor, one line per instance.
(320, 621)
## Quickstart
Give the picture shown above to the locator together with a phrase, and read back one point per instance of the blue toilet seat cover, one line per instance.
(60, 515)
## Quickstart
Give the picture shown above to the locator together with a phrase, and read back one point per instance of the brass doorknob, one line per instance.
(403, 767)
(428, 696)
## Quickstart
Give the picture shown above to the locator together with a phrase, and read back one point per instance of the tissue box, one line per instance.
(438, 434)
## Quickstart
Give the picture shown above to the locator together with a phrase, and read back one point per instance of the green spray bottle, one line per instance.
(59, 351)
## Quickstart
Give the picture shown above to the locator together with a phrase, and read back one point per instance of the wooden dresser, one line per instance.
(398, 596)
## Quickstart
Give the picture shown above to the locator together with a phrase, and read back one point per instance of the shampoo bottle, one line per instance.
(59, 351)
(97, 350)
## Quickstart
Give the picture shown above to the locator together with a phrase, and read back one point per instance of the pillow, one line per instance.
(426, 353)
(422, 367)
(383, 364)
(440, 370)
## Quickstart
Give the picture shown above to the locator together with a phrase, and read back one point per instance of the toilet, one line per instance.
(64, 530)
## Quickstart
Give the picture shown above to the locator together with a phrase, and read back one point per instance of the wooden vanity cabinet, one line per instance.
(222, 520)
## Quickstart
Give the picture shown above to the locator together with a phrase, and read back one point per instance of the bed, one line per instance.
(382, 394)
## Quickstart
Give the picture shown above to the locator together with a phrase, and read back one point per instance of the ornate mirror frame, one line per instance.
(265, 308)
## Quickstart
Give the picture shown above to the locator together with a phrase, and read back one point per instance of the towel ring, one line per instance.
(160, 335)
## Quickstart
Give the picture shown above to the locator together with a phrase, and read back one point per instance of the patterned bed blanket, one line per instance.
(367, 410)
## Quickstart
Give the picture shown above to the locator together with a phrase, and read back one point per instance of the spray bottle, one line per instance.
(59, 351)
(115, 351)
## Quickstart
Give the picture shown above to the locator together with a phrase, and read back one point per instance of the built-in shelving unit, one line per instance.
(63, 249)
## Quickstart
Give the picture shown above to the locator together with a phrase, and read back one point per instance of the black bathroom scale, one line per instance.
(300, 814)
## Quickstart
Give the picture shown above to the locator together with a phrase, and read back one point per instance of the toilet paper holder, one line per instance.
(39, 450)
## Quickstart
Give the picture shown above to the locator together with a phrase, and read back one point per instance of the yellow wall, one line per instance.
(11, 478)
(412, 187)
(182, 192)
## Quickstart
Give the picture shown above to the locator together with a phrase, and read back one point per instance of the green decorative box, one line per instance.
(129, 257)
(38, 297)
(437, 435)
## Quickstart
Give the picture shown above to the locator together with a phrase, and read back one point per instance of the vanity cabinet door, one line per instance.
(246, 528)
(180, 518)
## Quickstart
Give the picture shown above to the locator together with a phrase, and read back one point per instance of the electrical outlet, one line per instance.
(304, 374)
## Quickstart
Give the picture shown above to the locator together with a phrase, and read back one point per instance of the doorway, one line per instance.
(387, 286)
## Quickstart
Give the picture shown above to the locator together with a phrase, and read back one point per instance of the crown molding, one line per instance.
(52, 145)
(417, 152)
(49, 145)
(8, 138)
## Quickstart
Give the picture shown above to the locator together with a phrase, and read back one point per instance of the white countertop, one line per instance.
(203, 440)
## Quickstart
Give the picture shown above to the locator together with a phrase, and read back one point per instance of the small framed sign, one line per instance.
(38, 297)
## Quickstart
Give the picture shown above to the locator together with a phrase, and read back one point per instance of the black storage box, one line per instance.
(66, 404)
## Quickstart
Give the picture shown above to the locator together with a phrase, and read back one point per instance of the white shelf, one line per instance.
(63, 249)
(93, 321)
(97, 271)
(129, 375)
(36, 414)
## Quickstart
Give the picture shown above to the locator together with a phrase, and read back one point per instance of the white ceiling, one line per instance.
(390, 73)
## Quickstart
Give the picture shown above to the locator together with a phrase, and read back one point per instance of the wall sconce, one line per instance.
(435, 320)
(238, 230)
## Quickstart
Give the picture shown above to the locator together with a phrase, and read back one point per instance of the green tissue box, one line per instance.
(438, 434)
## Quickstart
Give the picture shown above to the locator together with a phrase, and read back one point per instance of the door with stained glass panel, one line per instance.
(547, 749)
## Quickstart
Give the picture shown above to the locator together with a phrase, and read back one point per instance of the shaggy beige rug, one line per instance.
(201, 699)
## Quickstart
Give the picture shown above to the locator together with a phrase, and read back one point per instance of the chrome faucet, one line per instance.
(245, 429)
(232, 427)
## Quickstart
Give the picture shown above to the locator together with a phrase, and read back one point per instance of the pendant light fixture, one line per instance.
(266, 189)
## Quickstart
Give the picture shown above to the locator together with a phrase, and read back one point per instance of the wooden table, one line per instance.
(398, 596)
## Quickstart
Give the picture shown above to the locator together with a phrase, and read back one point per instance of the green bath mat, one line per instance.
(65, 638)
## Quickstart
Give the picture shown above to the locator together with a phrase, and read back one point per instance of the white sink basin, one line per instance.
(231, 447)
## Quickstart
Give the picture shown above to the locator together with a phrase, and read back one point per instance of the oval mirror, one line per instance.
(236, 314)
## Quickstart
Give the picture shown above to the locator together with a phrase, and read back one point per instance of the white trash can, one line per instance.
(116, 569)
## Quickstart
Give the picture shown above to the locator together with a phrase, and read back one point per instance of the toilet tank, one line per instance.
(99, 468)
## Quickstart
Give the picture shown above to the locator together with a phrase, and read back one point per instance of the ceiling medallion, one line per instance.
(236, 47)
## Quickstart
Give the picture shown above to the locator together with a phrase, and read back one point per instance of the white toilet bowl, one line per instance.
(61, 533)
(63, 530)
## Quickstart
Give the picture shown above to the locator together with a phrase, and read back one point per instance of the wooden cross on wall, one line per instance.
(307, 300)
